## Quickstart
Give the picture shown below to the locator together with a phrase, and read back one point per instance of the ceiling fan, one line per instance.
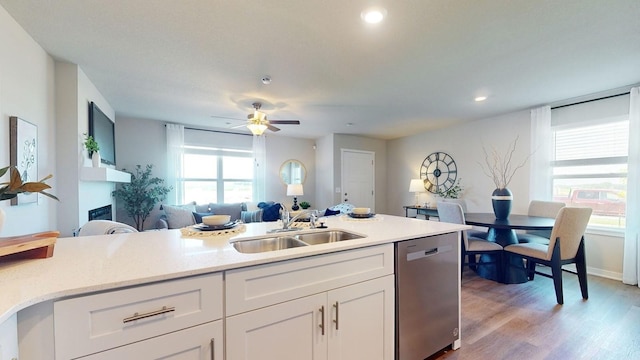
(258, 123)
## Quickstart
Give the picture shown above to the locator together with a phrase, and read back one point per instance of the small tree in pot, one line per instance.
(141, 194)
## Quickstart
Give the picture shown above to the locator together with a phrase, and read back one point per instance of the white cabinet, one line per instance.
(9, 339)
(91, 324)
(336, 306)
(203, 342)
(284, 331)
(361, 320)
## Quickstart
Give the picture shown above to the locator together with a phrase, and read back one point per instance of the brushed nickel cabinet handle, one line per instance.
(337, 306)
(322, 320)
(137, 316)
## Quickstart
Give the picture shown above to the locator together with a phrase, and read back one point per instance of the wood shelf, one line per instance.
(104, 174)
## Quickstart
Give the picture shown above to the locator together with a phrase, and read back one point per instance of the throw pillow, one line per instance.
(263, 204)
(179, 216)
(330, 212)
(197, 216)
(231, 209)
(271, 212)
(251, 216)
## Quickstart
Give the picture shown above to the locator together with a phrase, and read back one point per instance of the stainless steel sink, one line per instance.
(326, 237)
(267, 244)
(274, 243)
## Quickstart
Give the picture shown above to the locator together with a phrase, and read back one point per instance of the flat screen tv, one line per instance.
(102, 130)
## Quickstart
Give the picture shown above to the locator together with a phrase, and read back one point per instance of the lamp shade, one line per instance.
(257, 129)
(416, 185)
(295, 190)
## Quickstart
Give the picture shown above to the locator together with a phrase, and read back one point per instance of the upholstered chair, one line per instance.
(105, 227)
(565, 247)
(471, 246)
(548, 209)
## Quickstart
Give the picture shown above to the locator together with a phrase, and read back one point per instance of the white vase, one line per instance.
(95, 159)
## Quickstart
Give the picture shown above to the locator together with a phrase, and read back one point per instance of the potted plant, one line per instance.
(454, 192)
(94, 149)
(141, 194)
(305, 205)
(15, 186)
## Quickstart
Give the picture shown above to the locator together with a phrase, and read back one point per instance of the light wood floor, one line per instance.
(523, 321)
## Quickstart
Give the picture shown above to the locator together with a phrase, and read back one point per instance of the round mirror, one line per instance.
(292, 172)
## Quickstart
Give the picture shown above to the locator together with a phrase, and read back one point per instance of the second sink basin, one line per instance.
(326, 237)
(274, 243)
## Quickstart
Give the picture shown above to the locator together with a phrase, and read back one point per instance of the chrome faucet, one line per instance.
(287, 221)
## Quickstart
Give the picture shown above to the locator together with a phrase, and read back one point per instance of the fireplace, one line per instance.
(101, 213)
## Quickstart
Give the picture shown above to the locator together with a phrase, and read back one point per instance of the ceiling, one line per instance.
(200, 62)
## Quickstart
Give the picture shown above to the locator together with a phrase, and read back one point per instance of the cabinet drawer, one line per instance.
(263, 285)
(93, 323)
(196, 343)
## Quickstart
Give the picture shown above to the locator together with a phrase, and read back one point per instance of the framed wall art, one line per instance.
(23, 152)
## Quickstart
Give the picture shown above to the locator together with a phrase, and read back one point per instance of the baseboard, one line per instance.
(597, 272)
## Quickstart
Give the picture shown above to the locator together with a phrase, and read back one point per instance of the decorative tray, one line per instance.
(227, 226)
(32, 246)
(361, 216)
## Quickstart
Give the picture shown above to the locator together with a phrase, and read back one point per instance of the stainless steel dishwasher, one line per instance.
(427, 295)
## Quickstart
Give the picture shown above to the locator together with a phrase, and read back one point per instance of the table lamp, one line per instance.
(295, 190)
(417, 186)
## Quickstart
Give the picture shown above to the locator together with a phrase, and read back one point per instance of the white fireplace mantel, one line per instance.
(104, 174)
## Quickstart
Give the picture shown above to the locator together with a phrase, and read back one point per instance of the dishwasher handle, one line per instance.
(416, 255)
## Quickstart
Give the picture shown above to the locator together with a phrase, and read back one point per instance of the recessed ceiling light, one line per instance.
(480, 98)
(373, 15)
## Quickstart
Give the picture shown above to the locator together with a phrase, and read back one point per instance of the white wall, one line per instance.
(464, 143)
(27, 91)
(74, 93)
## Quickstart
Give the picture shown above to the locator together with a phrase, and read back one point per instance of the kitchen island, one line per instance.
(101, 265)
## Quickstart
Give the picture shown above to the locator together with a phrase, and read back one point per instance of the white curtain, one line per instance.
(631, 268)
(175, 153)
(541, 150)
(259, 168)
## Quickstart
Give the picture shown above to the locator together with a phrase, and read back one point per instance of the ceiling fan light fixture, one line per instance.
(257, 129)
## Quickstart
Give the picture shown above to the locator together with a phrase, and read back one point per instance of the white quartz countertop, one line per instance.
(94, 263)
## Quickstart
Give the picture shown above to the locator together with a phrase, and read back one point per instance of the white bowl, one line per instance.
(213, 220)
(361, 211)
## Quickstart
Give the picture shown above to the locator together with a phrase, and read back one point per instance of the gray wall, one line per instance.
(143, 141)
(464, 143)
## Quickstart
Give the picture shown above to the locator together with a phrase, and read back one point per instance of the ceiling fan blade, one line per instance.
(272, 128)
(286, 122)
(238, 126)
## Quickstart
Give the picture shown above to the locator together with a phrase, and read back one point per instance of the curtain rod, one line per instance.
(216, 131)
(588, 101)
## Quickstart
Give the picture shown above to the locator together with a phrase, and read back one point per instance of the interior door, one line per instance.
(358, 178)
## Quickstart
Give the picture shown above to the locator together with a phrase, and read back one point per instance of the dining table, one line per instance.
(503, 232)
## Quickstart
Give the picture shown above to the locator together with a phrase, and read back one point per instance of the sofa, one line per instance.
(179, 216)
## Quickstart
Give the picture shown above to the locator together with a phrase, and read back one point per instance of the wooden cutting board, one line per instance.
(32, 246)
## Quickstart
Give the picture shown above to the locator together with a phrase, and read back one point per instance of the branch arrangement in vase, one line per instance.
(15, 186)
(500, 168)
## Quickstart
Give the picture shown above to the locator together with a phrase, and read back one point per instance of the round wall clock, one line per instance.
(439, 172)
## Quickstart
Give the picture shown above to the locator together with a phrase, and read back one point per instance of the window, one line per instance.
(217, 175)
(591, 147)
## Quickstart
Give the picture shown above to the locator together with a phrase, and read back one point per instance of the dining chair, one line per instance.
(565, 247)
(471, 233)
(548, 209)
(471, 246)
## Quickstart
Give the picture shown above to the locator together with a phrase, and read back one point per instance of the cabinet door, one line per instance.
(9, 338)
(289, 330)
(203, 342)
(361, 320)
